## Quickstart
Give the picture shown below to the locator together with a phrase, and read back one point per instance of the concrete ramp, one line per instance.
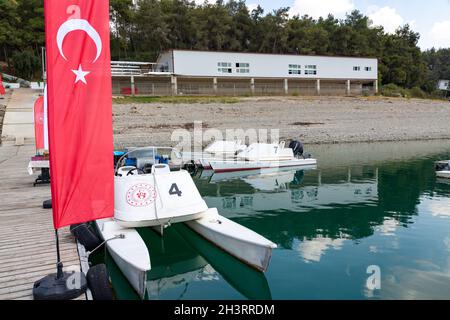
(18, 124)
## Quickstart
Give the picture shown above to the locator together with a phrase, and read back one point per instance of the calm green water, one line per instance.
(365, 205)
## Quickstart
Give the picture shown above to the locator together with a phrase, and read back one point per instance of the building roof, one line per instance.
(273, 54)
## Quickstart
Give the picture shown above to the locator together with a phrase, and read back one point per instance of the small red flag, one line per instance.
(79, 110)
(2, 88)
(39, 123)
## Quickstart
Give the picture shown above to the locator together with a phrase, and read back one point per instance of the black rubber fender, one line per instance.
(47, 204)
(99, 283)
(87, 237)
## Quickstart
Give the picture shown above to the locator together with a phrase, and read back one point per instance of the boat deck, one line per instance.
(27, 241)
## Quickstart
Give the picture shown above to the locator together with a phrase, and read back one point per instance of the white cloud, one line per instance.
(313, 250)
(440, 34)
(386, 17)
(321, 8)
(438, 207)
(252, 6)
(388, 227)
(200, 2)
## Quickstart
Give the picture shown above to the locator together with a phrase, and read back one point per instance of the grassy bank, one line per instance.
(175, 100)
(392, 90)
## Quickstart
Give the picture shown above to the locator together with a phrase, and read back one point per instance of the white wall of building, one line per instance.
(206, 64)
(444, 85)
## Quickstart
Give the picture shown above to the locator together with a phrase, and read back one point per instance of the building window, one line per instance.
(368, 68)
(295, 69)
(311, 69)
(224, 67)
(356, 68)
(242, 67)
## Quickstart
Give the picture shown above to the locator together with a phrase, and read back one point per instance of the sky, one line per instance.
(430, 18)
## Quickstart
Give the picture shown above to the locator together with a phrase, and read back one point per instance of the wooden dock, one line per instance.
(27, 241)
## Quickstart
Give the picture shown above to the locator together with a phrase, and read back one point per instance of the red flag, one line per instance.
(79, 110)
(2, 88)
(39, 123)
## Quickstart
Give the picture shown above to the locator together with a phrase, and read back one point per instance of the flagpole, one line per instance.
(59, 264)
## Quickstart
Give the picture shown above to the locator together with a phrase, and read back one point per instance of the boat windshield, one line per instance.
(141, 157)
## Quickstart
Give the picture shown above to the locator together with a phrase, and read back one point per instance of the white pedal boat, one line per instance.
(162, 198)
(261, 156)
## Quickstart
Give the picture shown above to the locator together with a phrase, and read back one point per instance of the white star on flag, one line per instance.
(81, 75)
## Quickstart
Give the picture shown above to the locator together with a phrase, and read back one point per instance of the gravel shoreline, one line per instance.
(312, 120)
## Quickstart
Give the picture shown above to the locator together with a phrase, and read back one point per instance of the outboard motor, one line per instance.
(442, 165)
(297, 147)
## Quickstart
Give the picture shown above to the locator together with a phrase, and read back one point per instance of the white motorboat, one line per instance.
(159, 199)
(216, 151)
(262, 156)
(443, 169)
(129, 252)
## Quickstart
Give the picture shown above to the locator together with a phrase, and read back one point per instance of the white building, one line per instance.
(444, 85)
(254, 65)
(188, 72)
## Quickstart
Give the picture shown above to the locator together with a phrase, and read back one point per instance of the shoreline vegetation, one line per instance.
(393, 92)
(175, 99)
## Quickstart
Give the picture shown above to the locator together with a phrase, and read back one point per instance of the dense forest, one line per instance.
(142, 31)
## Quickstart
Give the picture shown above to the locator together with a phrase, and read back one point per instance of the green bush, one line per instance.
(416, 92)
(392, 90)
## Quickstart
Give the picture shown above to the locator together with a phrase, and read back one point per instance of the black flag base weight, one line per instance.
(60, 286)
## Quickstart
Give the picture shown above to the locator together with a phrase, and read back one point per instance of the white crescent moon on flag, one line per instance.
(74, 25)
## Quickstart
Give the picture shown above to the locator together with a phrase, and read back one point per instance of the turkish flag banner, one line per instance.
(39, 123)
(79, 110)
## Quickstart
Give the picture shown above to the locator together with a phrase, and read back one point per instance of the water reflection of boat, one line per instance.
(250, 283)
(174, 264)
(341, 203)
(263, 174)
(443, 180)
(182, 258)
(289, 191)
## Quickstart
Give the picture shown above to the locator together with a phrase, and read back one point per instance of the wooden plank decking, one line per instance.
(27, 241)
